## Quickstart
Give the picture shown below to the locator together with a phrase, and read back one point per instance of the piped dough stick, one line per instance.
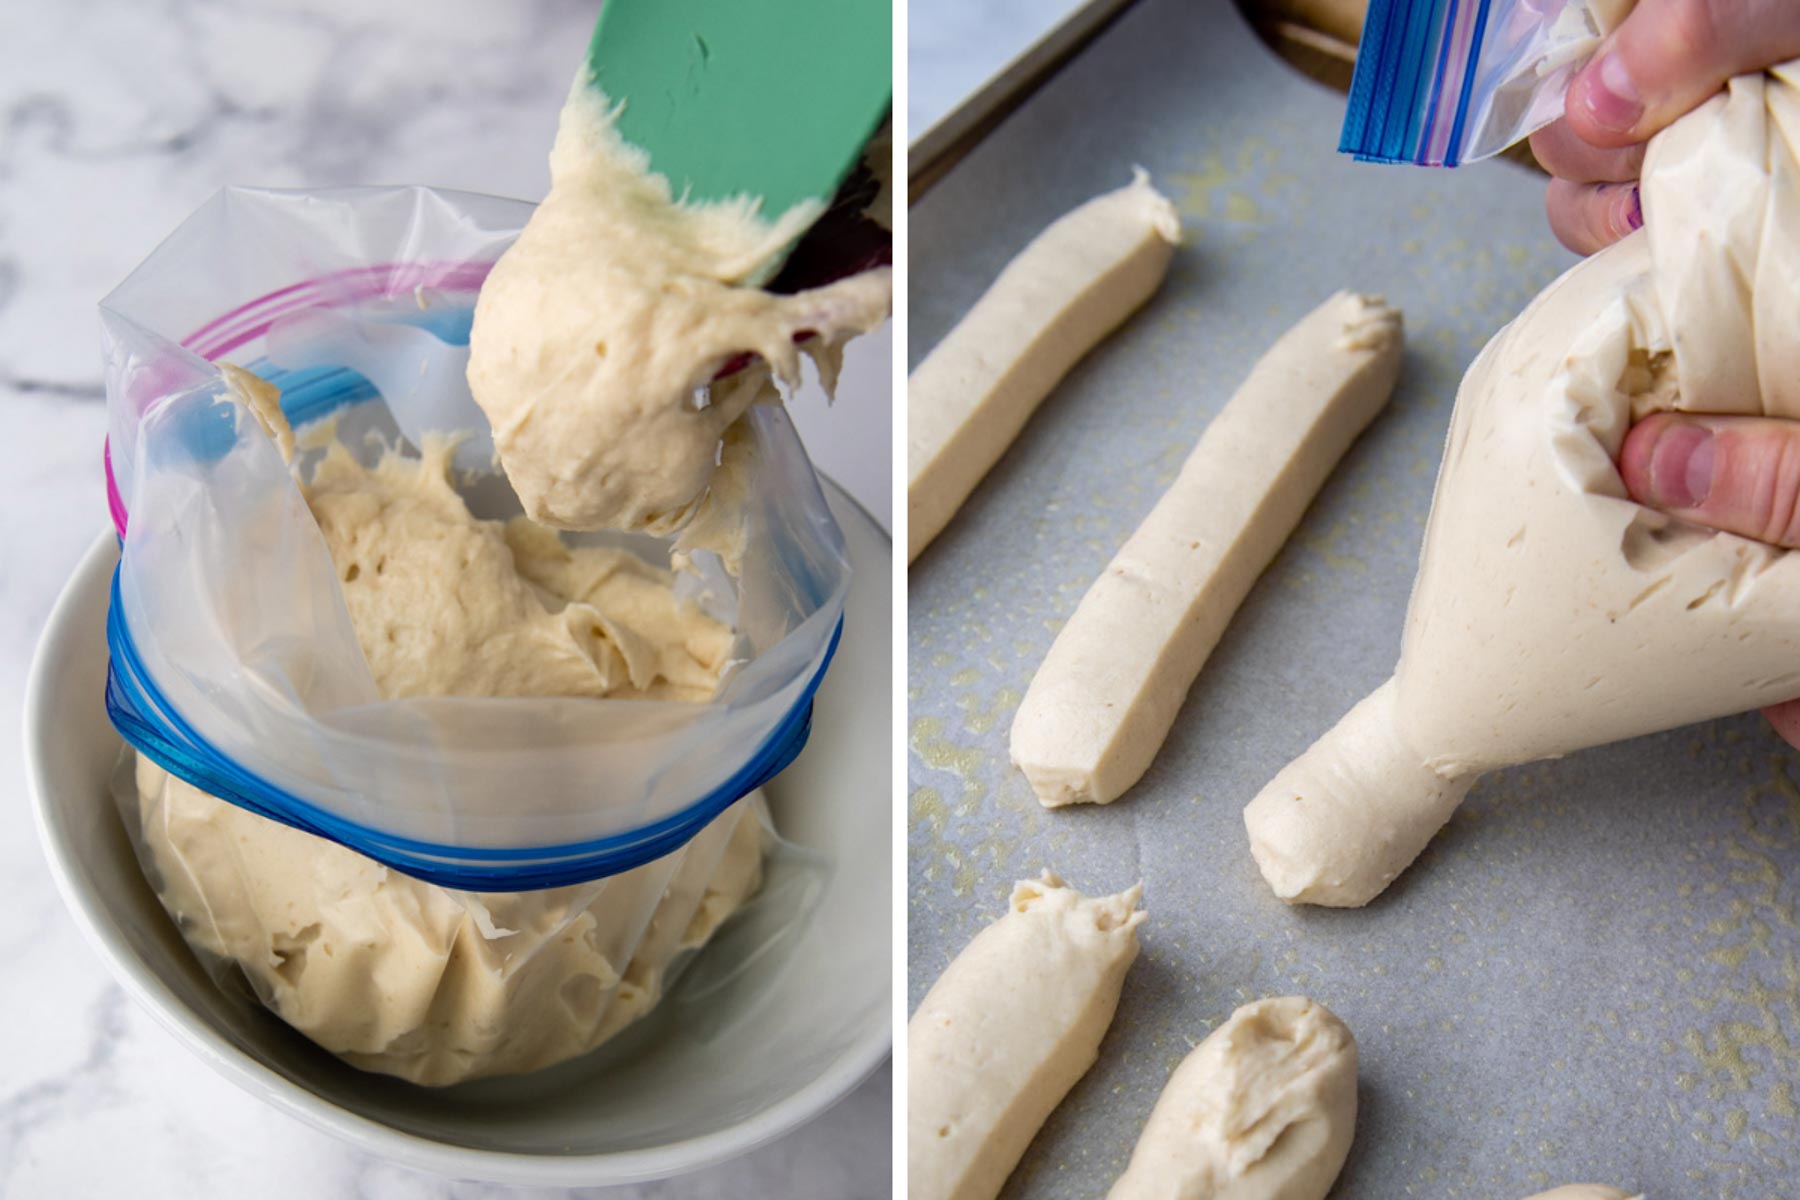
(1006, 1031)
(1263, 1109)
(1584, 1191)
(1100, 706)
(1069, 288)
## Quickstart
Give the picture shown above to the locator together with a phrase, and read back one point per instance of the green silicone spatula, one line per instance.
(773, 98)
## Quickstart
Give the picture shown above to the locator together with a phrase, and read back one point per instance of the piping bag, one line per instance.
(1551, 612)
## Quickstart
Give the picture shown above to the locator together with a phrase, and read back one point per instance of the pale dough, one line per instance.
(434, 985)
(1584, 1191)
(446, 605)
(1552, 613)
(598, 332)
(263, 400)
(1610, 14)
(1006, 1031)
(1068, 289)
(405, 977)
(1101, 704)
(1263, 1109)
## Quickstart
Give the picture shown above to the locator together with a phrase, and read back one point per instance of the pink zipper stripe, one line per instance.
(115, 504)
(1461, 35)
(353, 286)
(250, 321)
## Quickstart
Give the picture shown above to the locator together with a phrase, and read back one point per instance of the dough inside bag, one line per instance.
(405, 977)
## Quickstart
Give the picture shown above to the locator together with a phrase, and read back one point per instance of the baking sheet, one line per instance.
(1594, 972)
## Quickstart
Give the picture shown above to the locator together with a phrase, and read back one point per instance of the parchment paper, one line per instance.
(1594, 973)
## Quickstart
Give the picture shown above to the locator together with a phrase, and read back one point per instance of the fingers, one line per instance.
(1786, 720)
(1670, 55)
(1588, 209)
(1739, 474)
(1563, 154)
(1590, 217)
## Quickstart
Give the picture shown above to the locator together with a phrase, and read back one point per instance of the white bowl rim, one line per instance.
(837, 1080)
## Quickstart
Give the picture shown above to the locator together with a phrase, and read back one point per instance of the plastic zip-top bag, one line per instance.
(515, 876)
(1444, 82)
(234, 662)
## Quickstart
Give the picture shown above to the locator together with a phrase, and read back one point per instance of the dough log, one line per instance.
(1006, 1031)
(1263, 1109)
(1584, 1191)
(1068, 289)
(1100, 706)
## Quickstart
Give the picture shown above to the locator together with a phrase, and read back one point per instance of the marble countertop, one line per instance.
(119, 117)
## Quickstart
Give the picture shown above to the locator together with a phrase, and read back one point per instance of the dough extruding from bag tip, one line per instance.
(598, 334)
(1008, 1028)
(1100, 706)
(1263, 1109)
(1074, 284)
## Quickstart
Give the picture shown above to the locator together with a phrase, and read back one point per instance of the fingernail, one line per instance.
(1612, 98)
(1681, 466)
(1634, 210)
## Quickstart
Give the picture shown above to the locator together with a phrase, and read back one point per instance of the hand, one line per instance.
(1663, 60)
(1739, 474)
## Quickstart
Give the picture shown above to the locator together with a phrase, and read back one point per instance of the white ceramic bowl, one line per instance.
(739, 1068)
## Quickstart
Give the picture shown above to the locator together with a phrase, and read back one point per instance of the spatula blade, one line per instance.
(773, 98)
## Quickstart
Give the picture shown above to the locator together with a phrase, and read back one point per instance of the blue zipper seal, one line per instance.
(143, 716)
(1404, 68)
(138, 709)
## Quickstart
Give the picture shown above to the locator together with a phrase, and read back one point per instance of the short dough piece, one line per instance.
(1007, 1030)
(1100, 706)
(1069, 288)
(1263, 1109)
(1584, 1191)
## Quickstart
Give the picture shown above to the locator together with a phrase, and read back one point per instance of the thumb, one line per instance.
(1786, 720)
(1668, 56)
(1739, 474)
